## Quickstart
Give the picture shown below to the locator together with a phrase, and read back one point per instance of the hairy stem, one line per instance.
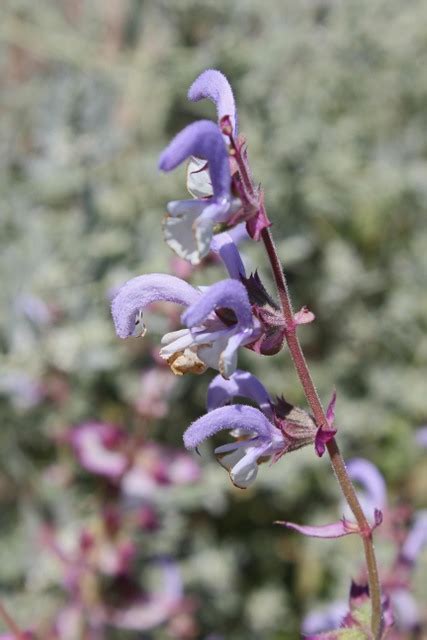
(337, 460)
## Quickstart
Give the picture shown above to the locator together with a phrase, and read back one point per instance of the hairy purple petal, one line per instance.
(243, 384)
(236, 416)
(416, 539)
(334, 530)
(202, 139)
(141, 291)
(228, 294)
(323, 619)
(368, 476)
(213, 84)
(224, 246)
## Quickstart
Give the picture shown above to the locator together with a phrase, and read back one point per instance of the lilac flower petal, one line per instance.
(324, 619)
(225, 247)
(229, 294)
(368, 476)
(243, 384)
(202, 139)
(335, 530)
(416, 539)
(239, 233)
(330, 411)
(213, 84)
(89, 443)
(406, 610)
(421, 437)
(248, 419)
(141, 291)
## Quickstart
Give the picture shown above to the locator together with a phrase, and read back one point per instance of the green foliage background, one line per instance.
(332, 97)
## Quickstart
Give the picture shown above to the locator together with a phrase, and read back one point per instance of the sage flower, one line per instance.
(263, 433)
(218, 320)
(189, 227)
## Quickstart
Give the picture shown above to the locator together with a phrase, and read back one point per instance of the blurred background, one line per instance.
(332, 99)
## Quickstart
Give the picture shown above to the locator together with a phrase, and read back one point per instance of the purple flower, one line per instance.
(218, 320)
(416, 539)
(406, 610)
(324, 619)
(145, 613)
(190, 225)
(96, 445)
(213, 85)
(263, 433)
(262, 440)
(374, 492)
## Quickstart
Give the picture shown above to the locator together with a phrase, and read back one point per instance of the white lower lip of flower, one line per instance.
(198, 179)
(189, 239)
(245, 474)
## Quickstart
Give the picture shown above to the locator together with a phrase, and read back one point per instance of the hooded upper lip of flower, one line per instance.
(207, 340)
(189, 227)
(259, 437)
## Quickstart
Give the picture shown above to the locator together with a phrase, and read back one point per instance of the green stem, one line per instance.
(337, 460)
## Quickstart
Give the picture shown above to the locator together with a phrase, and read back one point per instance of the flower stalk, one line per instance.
(336, 458)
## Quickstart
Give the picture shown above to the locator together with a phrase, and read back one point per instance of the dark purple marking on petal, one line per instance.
(141, 291)
(202, 139)
(359, 593)
(249, 419)
(226, 294)
(213, 85)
